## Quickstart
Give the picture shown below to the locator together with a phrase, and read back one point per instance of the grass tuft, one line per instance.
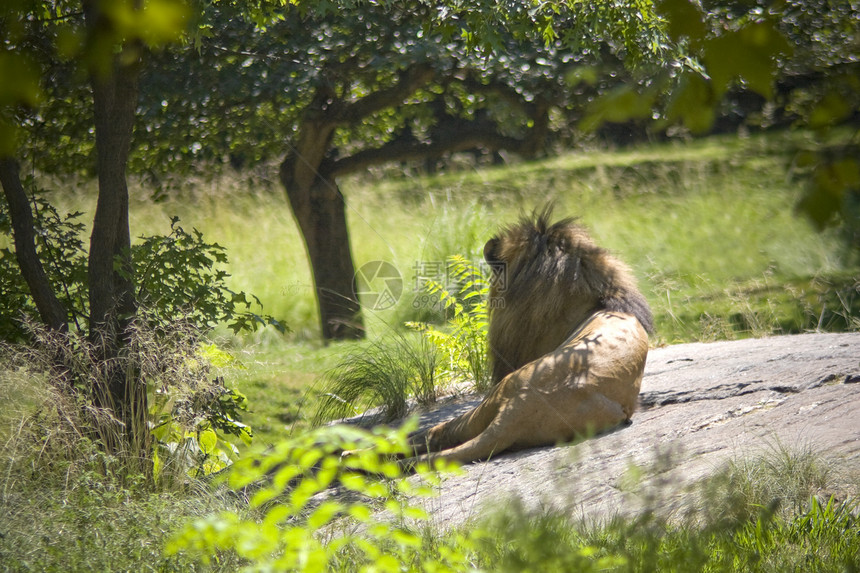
(383, 375)
(780, 478)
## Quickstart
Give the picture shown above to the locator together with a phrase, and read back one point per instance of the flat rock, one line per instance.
(700, 405)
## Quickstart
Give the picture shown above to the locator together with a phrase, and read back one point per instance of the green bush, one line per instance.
(178, 276)
(63, 255)
(192, 418)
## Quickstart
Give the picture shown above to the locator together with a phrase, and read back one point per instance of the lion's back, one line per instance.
(615, 347)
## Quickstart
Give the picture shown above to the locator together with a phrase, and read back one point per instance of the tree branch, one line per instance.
(456, 136)
(410, 80)
(51, 310)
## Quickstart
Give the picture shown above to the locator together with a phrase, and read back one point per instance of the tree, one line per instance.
(107, 41)
(333, 90)
(800, 57)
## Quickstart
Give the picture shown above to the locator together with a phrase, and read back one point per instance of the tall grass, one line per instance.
(779, 477)
(383, 375)
(765, 512)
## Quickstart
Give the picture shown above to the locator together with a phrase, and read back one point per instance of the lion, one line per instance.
(568, 340)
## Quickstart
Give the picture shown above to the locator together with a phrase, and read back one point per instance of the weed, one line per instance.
(370, 526)
(385, 375)
(463, 345)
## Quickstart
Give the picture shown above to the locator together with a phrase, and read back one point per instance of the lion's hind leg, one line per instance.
(594, 414)
(460, 429)
(584, 413)
(480, 447)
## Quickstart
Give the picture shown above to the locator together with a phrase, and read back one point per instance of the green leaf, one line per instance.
(208, 441)
(693, 104)
(830, 110)
(619, 105)
(750, 53)
(216, 356)
(684, 19)
(832, 181)
(24, 89)
(321, 516)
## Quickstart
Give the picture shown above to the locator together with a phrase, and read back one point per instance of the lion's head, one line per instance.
(549, 278)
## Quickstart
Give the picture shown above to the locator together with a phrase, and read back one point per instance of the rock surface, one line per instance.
(700, 405)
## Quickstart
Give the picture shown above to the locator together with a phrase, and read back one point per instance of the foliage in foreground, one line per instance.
(374, 524)
(764, 512)
(371, 523)
(824, 537)
(92, 525)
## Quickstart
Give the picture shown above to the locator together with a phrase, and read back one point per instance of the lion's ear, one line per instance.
(491, 251)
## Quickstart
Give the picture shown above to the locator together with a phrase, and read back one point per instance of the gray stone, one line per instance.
(700, 404)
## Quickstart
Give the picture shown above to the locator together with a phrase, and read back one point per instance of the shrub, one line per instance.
(143, 394)
(191, 418)
(368, 525)
(177, 276)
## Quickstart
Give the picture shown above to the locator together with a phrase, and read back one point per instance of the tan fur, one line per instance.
(568, 343)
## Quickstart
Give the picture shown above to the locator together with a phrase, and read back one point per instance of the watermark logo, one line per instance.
(378, 284)
(497, 273)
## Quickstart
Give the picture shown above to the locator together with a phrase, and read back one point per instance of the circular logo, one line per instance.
(378, 285)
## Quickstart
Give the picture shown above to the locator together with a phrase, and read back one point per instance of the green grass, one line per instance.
(823, 537)
(769, 510)
(96, 528)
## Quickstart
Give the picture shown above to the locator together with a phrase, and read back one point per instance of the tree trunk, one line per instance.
(321, 214)
(320, 211)
(52, 312)
(111, 290)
